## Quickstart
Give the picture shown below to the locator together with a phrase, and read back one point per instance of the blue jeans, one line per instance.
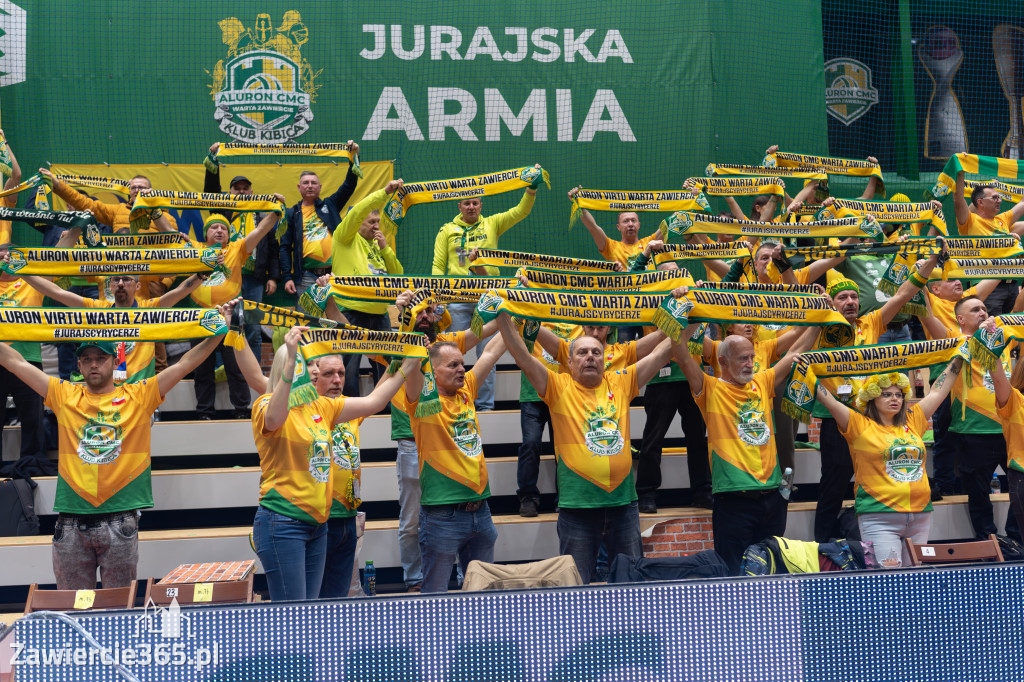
(533, 416)
(897, 335)
(340, 555)
(581, 532)
(887, 530)
(252, 290)
(292, 553)
(447, 534)
(408, 470)
(462, 315)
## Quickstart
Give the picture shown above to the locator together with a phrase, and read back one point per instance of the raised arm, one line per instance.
(681, 355)
(51, 290)
(648, 344)
(32, 376)
(277, 408)
(909, 288)
(103, 212)
(190, 360)
(15, 178)
(383, 392)
(840, 412)
(598, 235)
(250, 367)
(534, 369)
(782, 367)
(489, 358)
(872, 187)
(268, 223)
(344, 192)
(648, 366)
(944, 382)
(963, 211)
(179, 292)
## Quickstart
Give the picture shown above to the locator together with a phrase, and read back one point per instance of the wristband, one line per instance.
(291, 375)
(917, 280)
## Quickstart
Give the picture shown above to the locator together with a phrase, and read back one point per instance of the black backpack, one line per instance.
(17, 507)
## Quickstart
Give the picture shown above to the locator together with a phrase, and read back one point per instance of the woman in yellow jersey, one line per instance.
(296, 494)
(1010, 408)
(892, 494)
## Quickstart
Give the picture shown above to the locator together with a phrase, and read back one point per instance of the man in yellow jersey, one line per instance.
(455, 519)
(982, 218)
(104, 465)
(306, 243)
(975, 427)
(341, 525)
(407, 458)
(224, 284)
(262, 269)
(942, 296)
(138, 356)
(589, 409)
(745, 473)
(455, 240)
(360, 249)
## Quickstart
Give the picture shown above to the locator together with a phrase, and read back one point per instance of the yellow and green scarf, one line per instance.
(235, 203)
(316, 343)
(517, 259)
(33, 182)
(158, 240)
(720, 169)
(987, 348)
(991, 166)
(6, 162)
(745, 306)
(832, 165)
(375, 289)
(49, 325)
(886, 212)
(684, 222)
(92, 262)
(330, 150)
(738, 186)
(800, 394)
(648, 281)
(456, 189)
(115, 185)
(982, 268)
(707, 251)
(631, 200)
(1009, 192)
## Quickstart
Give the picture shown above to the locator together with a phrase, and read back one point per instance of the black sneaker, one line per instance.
(702, 500)
(647, 505)
(528, 507)
(245, 414)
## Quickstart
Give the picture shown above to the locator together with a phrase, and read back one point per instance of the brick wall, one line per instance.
(680, 536)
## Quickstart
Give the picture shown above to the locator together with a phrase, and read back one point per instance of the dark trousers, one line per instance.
(739, 519)
(583, 532)
(533, 415)
(836, 472)
(661, 403)
(380, 323)
(29, 407)
(1000, 301)
(206, 387)
(980, 454)
(1015, 479)
(944, 449)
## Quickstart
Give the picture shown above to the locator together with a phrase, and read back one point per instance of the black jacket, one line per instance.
(266, 263)
(329, 210)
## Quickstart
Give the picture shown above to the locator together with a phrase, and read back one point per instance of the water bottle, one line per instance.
(995, 488)
(786, 487)
(370, 576)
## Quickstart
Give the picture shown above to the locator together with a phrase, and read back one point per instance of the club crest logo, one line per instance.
(264, 88)
(530, 175)
(709, 171)
(750, 424)
(428, 384)
(870, 227)
(702, 201)
(15, 261)
(679, 223)
(99, 443)
(768, 162)
(991, 339)
(799, 393)
(679, 307)
(903, 462)
(212, 321)
(986, 380)
(900, 273)
(466, 435)
(848, 93)
(320, 461)
(489, 303)
(601, 432)
(345, 450)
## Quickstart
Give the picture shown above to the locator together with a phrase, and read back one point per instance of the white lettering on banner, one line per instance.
(446, 41)
(496, 111)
